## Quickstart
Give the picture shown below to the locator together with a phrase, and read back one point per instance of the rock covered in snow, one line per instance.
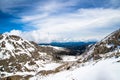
(19, 55)
(110, 44)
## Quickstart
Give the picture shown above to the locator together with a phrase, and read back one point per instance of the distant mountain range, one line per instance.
(68, 44)
(75, 48)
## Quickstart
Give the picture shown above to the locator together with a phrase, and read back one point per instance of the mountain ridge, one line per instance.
(110, 43)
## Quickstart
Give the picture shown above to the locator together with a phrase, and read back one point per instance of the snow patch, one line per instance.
(69, 58)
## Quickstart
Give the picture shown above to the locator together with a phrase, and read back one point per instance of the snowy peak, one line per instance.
(108, 47)
(11, 45)
(19, 55)
(109, 44)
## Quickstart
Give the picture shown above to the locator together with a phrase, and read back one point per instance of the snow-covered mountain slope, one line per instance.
(108, 69)
(13, 46)
(23, 58)
(108, 47)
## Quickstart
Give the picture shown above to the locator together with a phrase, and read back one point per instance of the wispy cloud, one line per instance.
(72, 26)
(62, 20)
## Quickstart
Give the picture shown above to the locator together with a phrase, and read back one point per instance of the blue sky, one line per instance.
(59, 20)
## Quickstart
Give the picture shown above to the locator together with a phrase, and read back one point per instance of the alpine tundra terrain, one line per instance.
(24, 60)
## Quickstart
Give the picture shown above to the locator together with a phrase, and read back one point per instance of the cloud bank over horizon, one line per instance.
(60, 20)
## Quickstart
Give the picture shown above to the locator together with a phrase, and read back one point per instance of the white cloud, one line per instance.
(54, 22)
(54, 6)
(75, 26)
